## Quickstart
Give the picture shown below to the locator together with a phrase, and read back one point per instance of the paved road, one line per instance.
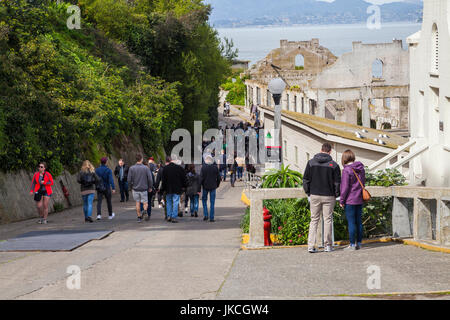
(151, 260)
(201, 260)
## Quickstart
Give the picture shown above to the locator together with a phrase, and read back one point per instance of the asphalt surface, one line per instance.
(195, 259)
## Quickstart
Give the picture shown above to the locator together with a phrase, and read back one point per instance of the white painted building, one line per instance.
(430, 96)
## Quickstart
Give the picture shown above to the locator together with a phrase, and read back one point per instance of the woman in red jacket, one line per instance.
(42, 191)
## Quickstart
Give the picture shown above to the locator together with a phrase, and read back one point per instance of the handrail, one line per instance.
(391, 155)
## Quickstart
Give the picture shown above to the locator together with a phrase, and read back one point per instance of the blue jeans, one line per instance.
(223, 173)
(88, 199)
(172, 202)
(123, 187)
(239, 172)
(194, 203)
(355, 228)
(212, 199)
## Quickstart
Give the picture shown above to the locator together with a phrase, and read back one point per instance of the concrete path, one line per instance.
(293, 273)
(151, 260)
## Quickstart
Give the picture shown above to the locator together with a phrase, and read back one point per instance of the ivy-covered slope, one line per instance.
(65, 93)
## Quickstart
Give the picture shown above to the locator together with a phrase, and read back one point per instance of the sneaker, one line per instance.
(312, 250)
(160, 206)
(192, 214)
(350, 248)
(205, 218)
(169, 219)
(139, 219)
(44, 221)
(112, 216)
(39, 221)
(358, 246)
(186, 210)
(147, 217)
(328, 249)
(88, 219)
(195, 214)
(211, 220)
(99, 217)
(174, 221)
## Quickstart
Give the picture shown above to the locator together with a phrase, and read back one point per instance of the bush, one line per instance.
(58, 206)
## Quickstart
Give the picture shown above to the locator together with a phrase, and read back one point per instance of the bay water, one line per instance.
(254, 43)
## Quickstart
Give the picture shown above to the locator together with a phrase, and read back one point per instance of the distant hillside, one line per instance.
(237, 13)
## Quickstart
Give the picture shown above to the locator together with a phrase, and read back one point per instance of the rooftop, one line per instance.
(344, 130)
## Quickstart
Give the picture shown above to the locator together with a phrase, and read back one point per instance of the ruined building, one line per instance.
(373, 78)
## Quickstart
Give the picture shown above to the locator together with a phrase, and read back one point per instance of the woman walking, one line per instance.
(193, 190)
(353, 175)
(88, 180)
(41, 187)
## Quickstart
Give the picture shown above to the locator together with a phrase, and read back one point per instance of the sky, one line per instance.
(373, 1)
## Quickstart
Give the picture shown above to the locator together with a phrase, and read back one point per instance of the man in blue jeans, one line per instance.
(210, 181)
(174, 183)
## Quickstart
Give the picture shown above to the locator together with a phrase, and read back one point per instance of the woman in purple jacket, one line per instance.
(351, 197)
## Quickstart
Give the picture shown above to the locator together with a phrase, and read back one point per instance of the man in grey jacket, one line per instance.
(141, 182)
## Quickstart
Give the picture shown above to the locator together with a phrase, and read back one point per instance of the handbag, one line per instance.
(38, 195)
(365, 194)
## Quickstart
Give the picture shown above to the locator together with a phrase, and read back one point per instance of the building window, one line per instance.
(258, 95)
(435, 49)
(295, 103)
(299, 62)
(303, 105)
(285, 149)
(287, 102)
(377, 69)
(387, 103)
(268, 98)
(296, 154)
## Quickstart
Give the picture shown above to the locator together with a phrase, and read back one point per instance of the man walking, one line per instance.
(174, 182)
(141, 181)
(121, 172)
(107, 182)
(321, 182)
(210, 181)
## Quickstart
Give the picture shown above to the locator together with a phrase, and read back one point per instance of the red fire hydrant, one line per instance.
(267, 227)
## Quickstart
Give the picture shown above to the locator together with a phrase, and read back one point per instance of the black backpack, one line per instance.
(100, 185)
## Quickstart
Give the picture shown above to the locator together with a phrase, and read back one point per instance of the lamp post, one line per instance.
(276, 88)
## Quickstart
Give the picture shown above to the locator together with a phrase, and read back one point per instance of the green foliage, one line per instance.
(283, 178)
(290, 220)
(175, 42)
(227, 49)
(385, 178)
(66, 92)
(291, 217)
(245, 221)
(236, 90)
(58, 206)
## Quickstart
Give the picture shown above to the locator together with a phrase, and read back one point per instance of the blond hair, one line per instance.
(87, 167)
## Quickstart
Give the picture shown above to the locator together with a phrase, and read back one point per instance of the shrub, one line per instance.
(58, 206)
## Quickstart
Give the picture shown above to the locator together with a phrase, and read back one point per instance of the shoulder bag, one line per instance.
(365, 194)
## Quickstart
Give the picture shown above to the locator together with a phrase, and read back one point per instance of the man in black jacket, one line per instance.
(210, 181)
(174, 182)
(121, 172)
(321, 182)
